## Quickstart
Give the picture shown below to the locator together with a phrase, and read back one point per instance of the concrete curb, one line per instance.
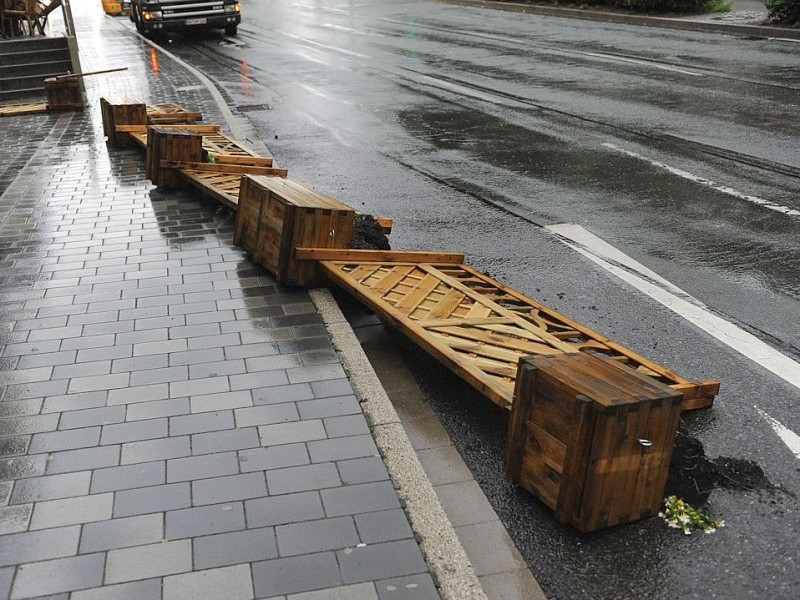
(762, 31)
(440, 544)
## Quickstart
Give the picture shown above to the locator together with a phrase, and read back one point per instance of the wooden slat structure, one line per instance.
(171, 112)
(480, 328)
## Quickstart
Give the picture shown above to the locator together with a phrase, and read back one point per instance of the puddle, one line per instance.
(693, 476)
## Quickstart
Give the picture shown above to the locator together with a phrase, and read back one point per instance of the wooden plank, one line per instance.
(192, 128)
(236, 159)
(27, 108)
(379, 256)
(224, 168)
(386, 224)
(200, 180)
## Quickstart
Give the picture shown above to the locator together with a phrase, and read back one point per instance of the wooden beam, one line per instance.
(192, 128)
(323, 254)
(237, 159)
(386, 224)
(224, 168)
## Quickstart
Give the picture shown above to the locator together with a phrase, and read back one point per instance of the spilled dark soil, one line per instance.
(368, 235)
(693, 476)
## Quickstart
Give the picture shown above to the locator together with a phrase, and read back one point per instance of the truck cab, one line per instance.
(164, 16)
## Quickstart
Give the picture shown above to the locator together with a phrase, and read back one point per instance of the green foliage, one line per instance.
(783, 11)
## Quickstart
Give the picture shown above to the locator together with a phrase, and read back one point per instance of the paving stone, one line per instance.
(234, 548)
(41, 389)
(275, 457)
(251, 350)
(266, 415)
(92, 416)
(14, 446)
(354, 499)
(194, 357)
(98, 382)
(282, 393)
(280, 510)
(232, 583)
(221, 441)
(140, 363)
(74, 402)
(32, 546)
(127, 477)
(154, 560)
(60, 575)
(50, 487)
(134, 431)
(47, 359)
(27, 425)
(154, 376)
(203, 422)
(201, 467)
(205, 520)
(331, 387)
(381, 561)
(215, 369)
(259, 380)
(121, 533)
(137, 590)
(300, 479)
(362, 470)
(214, 341)
(311, 536)
(158, 408)
(199, 387)
(6, 577)
(157, 498)
(118, 350)
(83, 460)
(227, 489)
(150, 450)
(383, 526)
(85, 369)
(159, 347)
(342, 448)
(287, 433)
(25, 375)
(272, 363)
(224, 400)
(465, 503)
(145, 393)
(315, 373)
(329, 407)
(65, 440)
(359, 591)
(70, 511)
(411, 587)
(14, 519)
(346, 426)
(295, 574)
(20, 408)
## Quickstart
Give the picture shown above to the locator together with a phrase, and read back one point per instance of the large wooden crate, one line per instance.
(63, 93)
(276, 215)
(591, 438)
(121, 110)
(170, 144)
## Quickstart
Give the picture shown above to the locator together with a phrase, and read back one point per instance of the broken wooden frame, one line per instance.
(474, 324)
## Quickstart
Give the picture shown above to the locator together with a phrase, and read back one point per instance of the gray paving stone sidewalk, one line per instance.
(174, 423)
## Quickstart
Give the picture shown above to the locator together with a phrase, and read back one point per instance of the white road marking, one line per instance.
(708, 183)
(789, 437)
(327, 47)
(784, 40)
(319, 94)
(644, 63)
(681, 303)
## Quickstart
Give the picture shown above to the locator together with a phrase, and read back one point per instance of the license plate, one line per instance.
(199, 21)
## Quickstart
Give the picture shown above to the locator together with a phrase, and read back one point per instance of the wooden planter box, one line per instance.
(63, 93)
(121, 110)
(276, 215)
(591, 438)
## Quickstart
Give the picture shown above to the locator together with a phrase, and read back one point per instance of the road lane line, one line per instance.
(683, 304)
(789, 437)
(708, 183)
(644, 63)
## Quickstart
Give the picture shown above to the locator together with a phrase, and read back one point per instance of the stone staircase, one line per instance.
(26, 62)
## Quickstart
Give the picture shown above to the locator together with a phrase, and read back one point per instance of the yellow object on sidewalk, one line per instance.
(113, 7)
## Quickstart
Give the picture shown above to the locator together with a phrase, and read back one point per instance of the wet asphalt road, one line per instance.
(475, 129)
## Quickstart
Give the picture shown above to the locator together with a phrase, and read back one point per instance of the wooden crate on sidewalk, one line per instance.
(276, 215)
(121, 110)
(591, 438)
(170, 145)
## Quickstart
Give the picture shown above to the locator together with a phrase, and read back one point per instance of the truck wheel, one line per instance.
(230, 29)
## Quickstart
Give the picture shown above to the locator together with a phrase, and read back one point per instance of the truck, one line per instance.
(153, 17)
